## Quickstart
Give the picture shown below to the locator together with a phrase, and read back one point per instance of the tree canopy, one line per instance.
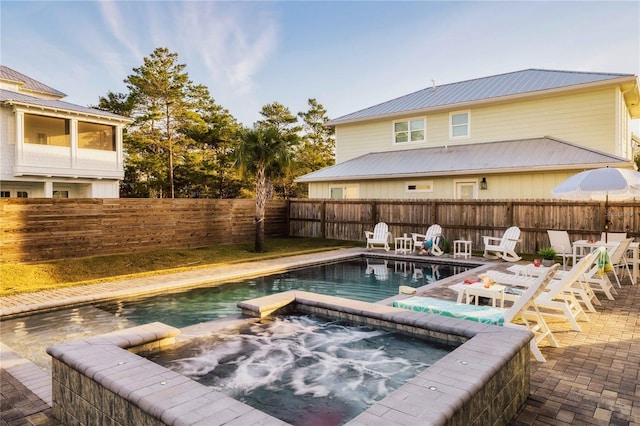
(183, 144)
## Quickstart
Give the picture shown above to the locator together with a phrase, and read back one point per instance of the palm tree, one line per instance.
(263, 152)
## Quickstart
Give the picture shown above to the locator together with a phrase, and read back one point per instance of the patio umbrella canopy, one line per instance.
(602, 184)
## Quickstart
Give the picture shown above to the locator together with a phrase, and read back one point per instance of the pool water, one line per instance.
(361, 279)
(304, 370)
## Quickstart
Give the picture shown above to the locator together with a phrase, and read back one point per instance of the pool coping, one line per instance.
(48, 300)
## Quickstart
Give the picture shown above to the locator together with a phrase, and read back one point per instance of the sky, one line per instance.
(348, 55)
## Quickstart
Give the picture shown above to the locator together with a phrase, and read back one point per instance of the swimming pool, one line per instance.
(366, 279)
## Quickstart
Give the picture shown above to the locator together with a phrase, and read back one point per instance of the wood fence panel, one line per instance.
(464, 219)
(46, 229)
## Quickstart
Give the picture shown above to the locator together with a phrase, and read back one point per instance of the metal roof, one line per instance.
(7, 73)
(524, 155)
(481, 89)
(7, 97)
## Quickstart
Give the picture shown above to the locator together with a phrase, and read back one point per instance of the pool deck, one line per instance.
(593, 378)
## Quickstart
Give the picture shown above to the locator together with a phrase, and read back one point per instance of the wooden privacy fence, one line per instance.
(45, 229)
(462, 219)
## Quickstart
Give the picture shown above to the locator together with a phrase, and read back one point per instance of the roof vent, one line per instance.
(433, 84)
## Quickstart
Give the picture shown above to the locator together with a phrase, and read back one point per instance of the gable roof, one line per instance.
(484, 89)
(27, 82)
(523, 155)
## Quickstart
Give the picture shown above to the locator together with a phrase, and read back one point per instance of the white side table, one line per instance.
(462, 248)
(477, 290)
(404, 245)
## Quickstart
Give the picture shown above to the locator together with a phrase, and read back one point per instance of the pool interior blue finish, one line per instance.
(304, 370)
(369, 280)
(366, 279)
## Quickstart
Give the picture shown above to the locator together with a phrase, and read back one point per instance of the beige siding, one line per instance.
(595, 119)
(514, 186)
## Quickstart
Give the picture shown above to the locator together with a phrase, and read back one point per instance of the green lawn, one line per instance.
(26, 278)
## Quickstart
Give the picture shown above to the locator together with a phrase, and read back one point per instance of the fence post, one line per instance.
(323, 219)
(434, 214)
(509, 218)
(374, 213)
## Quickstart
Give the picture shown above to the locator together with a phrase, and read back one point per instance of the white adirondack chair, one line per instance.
(504, 247)
(379, 237)
(433, 233)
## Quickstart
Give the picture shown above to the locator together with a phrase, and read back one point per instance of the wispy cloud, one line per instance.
(232, 43)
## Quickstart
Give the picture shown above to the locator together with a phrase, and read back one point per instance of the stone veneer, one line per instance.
(101, 380)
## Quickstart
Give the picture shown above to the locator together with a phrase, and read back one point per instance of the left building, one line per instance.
(54, 149)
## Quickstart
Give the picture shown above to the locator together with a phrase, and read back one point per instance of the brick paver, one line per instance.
(593, 378)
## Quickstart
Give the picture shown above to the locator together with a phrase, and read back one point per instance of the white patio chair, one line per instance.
(433, 234)
(504, 247)
(559, 241)
(619, 260)
(379, 237)
(614, 237)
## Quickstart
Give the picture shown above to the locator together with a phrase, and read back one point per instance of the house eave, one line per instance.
(468, 172)
(56, 110)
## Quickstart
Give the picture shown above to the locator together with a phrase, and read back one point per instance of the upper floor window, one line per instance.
(96, 136)
(42, 130)
(459, 124)
(409, 130)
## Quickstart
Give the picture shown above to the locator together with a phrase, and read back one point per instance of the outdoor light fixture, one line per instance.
(483, 183)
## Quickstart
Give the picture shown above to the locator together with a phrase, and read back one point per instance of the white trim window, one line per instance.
(343, 192)
(419, 186)
(459, 124)
(412, 130)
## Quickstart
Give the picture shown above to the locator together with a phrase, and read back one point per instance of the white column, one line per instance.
(48, 189)
(19, 138)
(73, 129)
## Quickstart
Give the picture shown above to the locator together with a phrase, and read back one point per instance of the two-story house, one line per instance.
(508, 136)
(51, 148)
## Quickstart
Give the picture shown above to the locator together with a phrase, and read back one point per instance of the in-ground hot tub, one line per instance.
(484, 380)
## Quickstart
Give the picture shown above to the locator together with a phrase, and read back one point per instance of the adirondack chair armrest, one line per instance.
(418, 237)
(514, 239)
(487, 239)
(368, 234)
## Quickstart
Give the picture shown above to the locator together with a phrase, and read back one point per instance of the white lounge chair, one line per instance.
(504, 247)
(523, 309)
(619, 260)
(379, 237)
(560, 294)
(559, 241)
(433, 234)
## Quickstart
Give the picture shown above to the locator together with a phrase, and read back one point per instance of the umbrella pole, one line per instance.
(606, 219)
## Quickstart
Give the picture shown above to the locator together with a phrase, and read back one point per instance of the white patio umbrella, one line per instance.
(604, 184)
